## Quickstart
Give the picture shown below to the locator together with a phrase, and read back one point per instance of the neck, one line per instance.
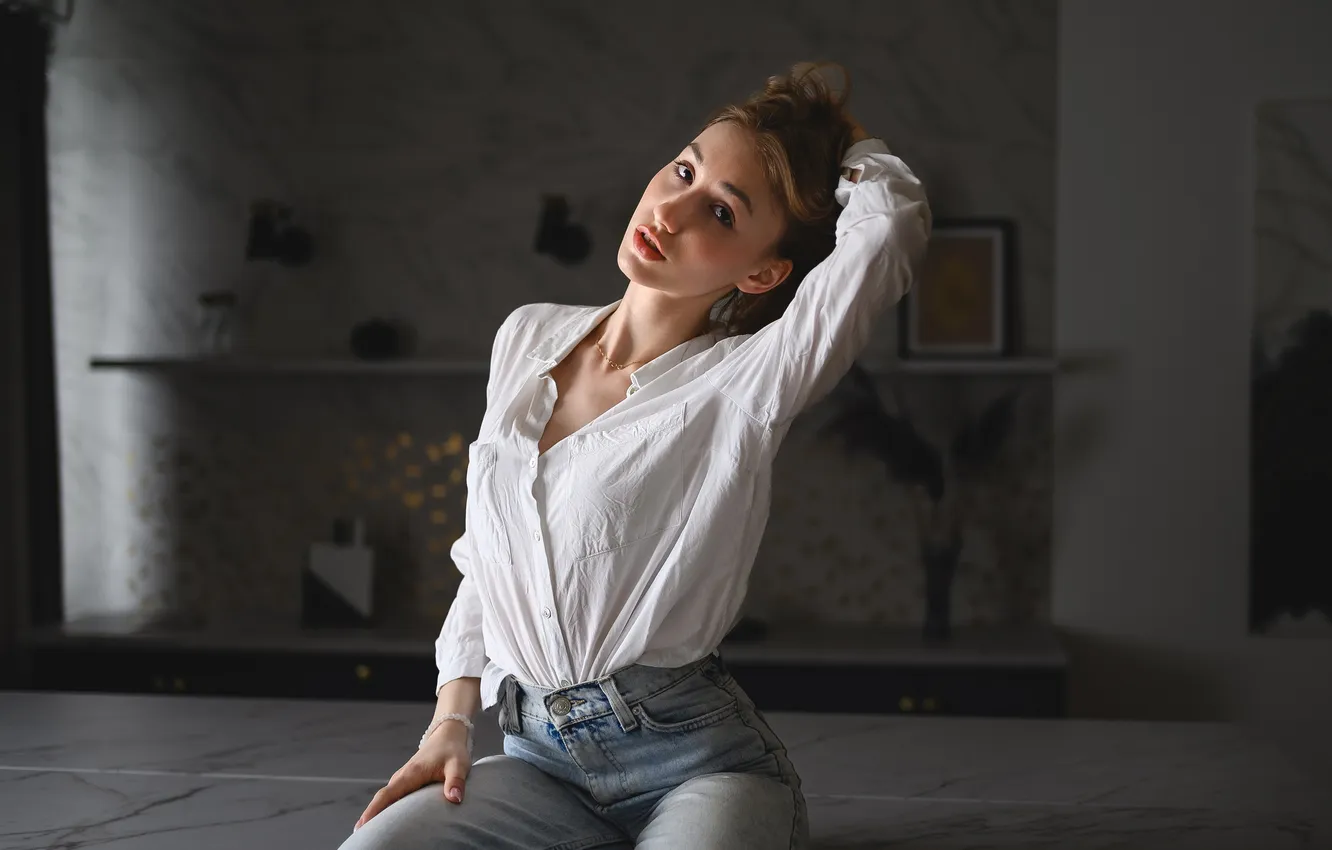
(644, 328)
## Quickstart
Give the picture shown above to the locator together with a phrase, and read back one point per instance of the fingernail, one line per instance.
(454, 795)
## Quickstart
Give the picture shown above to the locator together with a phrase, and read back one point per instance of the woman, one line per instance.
(619, 489)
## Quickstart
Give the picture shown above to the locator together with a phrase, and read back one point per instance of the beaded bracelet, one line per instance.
(434, 724)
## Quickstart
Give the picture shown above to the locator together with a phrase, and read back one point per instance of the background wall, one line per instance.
(1154, 261)
(13, 514)
(417, 139)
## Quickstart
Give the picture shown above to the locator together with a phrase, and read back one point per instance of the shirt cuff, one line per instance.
(860, 157)
(870, 145)
(468, 660)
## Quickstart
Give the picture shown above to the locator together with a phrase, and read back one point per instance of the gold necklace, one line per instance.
(612, 362)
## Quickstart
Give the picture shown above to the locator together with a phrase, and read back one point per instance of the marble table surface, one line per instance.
(157, 772)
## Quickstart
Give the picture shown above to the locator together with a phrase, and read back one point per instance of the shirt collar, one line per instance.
(554, 347)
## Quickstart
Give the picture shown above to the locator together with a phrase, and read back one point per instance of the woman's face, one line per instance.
(712, 215)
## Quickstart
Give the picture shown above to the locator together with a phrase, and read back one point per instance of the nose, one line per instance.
(673, 213)
(666, 216)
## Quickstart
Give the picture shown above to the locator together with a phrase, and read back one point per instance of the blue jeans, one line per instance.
(646, 757)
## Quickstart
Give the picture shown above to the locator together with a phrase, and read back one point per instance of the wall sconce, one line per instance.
(567, 242)
(274, 236)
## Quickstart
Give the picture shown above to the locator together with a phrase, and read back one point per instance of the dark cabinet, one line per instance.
(991, 690)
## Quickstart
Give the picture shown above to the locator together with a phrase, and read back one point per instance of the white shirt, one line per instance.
(631, 540)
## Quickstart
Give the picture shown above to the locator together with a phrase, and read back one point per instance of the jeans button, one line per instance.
(560, 706)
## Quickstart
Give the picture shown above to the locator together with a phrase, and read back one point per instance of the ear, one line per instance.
(767, 277)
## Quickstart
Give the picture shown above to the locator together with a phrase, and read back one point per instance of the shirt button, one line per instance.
(564, 683)
(545, 612)
(532, 463)
(536, 535)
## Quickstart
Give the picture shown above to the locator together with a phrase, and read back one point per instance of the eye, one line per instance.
(725, 214)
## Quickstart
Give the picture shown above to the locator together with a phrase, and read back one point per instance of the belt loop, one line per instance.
(510, 720)
(628, 722)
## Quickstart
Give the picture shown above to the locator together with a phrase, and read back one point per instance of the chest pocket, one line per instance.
(484, 510)
(627, 483)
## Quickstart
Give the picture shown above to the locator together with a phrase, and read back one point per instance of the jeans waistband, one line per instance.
(613, 693)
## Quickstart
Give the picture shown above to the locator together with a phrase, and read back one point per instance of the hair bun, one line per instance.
(816, 71)
(801, 131)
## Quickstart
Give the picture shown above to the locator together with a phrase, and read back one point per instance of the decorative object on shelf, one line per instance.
(382, 339)
(567, 242)
(217, 321)
(274, 235)
(337, 583)
(936, 477)
(962, 305)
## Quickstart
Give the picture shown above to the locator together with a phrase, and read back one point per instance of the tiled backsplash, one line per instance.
(417, 139)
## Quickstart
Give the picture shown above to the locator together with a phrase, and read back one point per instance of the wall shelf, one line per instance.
(966, 366)
(294, 367)
(462, 367)
(983, 671)
(977, 646)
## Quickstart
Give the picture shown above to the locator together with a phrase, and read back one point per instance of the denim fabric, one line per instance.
(647, 757)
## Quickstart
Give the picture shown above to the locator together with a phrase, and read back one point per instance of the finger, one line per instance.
(399, 786)
(453, 789)
(378, 803)
(370, 811)
(455, 780)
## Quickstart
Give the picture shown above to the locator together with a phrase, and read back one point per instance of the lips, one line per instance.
(644, 237)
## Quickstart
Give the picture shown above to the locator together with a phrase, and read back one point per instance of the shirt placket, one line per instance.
(553, 637)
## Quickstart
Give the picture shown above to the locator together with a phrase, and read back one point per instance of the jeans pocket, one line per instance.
(694, 702)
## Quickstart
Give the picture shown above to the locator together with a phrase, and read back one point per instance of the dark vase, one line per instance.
(940, 560)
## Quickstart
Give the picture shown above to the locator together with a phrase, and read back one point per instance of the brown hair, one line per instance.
(800, 134)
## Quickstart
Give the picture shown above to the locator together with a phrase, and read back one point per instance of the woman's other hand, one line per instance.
(444, 759)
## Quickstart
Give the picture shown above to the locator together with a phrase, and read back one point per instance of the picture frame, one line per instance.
(962, 305)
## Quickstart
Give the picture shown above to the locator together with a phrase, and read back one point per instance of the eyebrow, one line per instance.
(730, 187)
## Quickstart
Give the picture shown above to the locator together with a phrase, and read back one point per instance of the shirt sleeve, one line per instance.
(881, 235)
(460, 649)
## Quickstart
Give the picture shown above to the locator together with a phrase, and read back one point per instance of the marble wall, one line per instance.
(416, 139)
